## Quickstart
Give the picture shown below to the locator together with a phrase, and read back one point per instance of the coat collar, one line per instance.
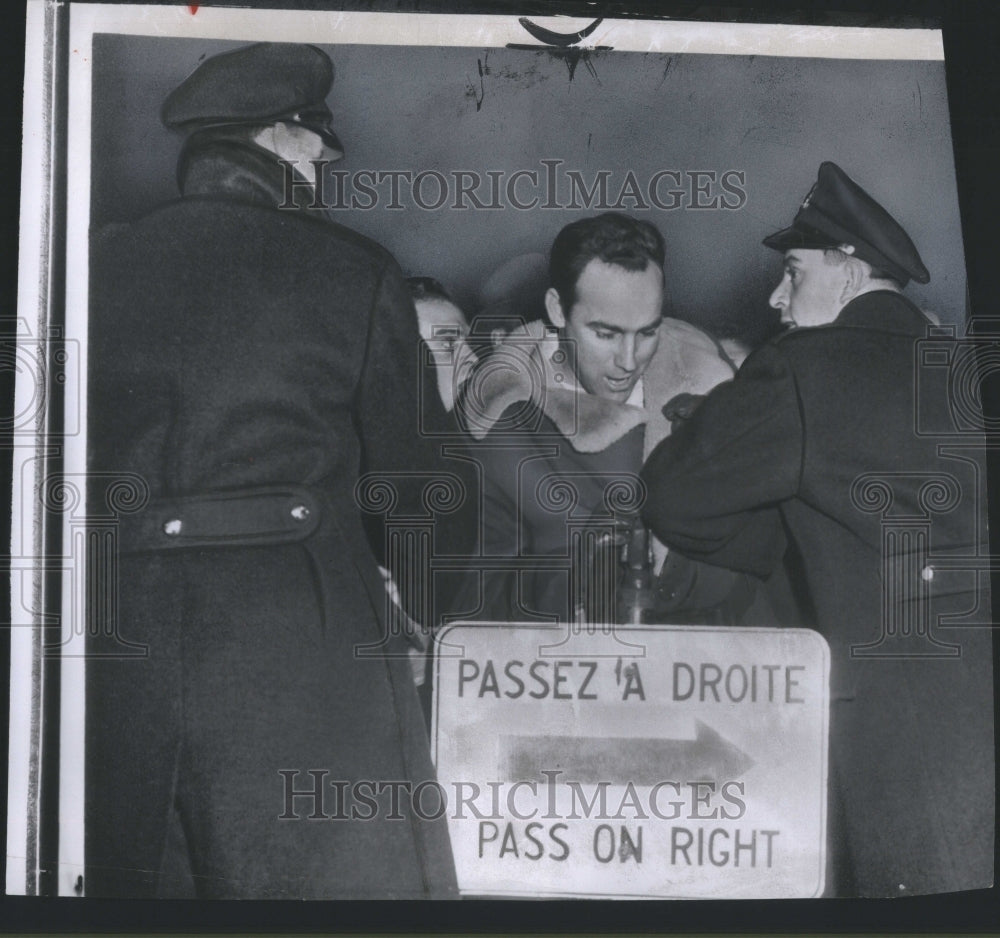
(525, 369)
(215, 165)
(886, 311)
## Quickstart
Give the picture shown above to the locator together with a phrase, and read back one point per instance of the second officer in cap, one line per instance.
(249, 361)
(795, 471)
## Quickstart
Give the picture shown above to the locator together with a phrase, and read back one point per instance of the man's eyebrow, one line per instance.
(609, 327)
(606, 326)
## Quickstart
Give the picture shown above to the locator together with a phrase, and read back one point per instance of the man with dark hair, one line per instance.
(614, 239)
(811, 460)
(606, 298)
(249, 361)
(559, 410)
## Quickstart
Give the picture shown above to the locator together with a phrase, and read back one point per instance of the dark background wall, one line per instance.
(449, 109)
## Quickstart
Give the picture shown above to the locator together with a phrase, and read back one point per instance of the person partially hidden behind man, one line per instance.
(813, 457)
(558, 410)
(445, 333)
(249, 359)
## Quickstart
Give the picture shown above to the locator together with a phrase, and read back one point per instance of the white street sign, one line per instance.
(656, 761)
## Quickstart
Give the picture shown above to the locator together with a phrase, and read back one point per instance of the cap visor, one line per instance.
(332, 142)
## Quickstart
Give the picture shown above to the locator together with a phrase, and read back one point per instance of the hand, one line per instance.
(681, 407)
(418, 665)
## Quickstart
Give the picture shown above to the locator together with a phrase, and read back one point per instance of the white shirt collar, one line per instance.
(637, 395)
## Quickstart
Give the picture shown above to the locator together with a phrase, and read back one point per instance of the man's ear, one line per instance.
(553, 306)
(857, 275)
(289, 141)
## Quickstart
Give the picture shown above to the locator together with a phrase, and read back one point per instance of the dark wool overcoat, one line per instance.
(241, 350)
(843, 452)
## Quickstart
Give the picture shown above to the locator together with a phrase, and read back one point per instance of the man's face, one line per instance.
(444, 328)
(613, 327)
(812, 291)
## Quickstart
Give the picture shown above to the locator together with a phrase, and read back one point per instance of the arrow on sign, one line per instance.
(621, 759)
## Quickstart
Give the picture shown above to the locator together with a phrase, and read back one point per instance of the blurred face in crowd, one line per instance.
(612, 330)
(444, 328)
(813, 290)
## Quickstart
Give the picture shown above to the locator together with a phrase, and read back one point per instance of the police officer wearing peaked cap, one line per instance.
(838, 212)
(249, 363)
(772, 475)
(268, 95)
(261, 83)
